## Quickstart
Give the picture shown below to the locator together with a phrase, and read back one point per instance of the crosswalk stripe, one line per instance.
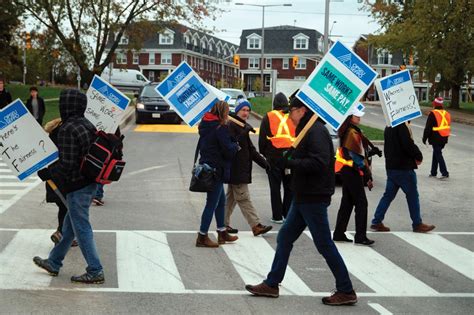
(453, 255)
(379, 273)
(9, 191)
(7, 176)
(252, 258)
(5, 170)
(15, 184)
(17, 269)
(152, 267)
(18, 194)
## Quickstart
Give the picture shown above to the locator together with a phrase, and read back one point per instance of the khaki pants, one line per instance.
(239, 194)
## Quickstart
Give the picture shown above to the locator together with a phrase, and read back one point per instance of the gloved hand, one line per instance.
(44, 174)
(375, 151)
(248, 128)
(370, 184)
(268, 167)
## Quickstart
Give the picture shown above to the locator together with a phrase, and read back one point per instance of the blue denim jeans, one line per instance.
(215, 205)
(100, 192)
(406, 180)
(76, 224)
(438, 159)
(315, 217)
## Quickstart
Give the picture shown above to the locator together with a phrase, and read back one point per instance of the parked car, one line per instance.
(125, 78)
(234, 95)
(151, 107)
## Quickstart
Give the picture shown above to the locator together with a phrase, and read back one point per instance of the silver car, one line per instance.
(234, 95)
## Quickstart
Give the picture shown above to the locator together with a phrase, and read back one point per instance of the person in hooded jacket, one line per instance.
(75, 136)
(241, 173)
(217, 149)
(35, 105)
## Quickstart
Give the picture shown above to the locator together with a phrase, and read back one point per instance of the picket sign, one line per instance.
(24, 146)
(398, 97)
(105, 105)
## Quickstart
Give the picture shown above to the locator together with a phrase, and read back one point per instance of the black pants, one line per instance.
(276, 176)
(353, 195)
(62, 210)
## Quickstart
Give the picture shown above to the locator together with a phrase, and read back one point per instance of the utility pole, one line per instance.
(24, 59)
(78, 78)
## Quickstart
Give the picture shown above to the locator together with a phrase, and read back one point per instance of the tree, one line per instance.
(257, 84)
(87, 28)
(439, 33)
(9, 20)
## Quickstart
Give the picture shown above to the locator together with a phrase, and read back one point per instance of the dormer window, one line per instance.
(167, 37)
(123, 40)
(254, 41)
(384, 57)
(300, 41)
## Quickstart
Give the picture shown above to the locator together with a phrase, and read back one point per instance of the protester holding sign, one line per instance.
(74, 139)
(5, 96)
(402, 157)
(312, 166)
(217, 150)
(35, 105)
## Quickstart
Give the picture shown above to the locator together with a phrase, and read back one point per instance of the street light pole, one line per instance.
(326, 26)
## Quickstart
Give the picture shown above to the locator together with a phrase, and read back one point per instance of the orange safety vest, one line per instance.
(282, 129)
(443, 119)
(341, 162)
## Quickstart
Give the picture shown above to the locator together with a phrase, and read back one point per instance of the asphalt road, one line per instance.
(147, 229)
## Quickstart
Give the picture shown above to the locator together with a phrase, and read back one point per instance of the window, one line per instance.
(152, 59)
(268, 63)
(301, 63)
(186, 39)
(135, 58)
(254, 63)
(166, 58)
(254, 41)
(320, 44)
(300, 41)
(300, 77)
(268, 81)
(286, 63)
(121, 58)
(201, 63)
(123, 40)
(166, 38)
(203, 45)
(151, 76)
(384, 57)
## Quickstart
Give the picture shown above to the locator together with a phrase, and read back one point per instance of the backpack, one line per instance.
(103, 162)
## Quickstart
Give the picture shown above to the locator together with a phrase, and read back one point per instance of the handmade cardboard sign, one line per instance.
(24, 146)
(105, 105)
(398, 97)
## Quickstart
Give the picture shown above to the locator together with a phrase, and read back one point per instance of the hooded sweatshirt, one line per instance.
(75, 136)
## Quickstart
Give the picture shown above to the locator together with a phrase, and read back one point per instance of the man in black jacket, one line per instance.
(241, 173)
(402, 157)
(75, 136)
(5, 96)
(312, 167)
(35, 105)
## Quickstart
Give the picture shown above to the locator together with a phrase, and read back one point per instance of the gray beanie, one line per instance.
(280, 101)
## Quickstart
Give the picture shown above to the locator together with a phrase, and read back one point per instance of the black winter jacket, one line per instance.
(241, 170)
(312, 164)
(400, 150)
(5, 98)
(41, 108)
(433, 137)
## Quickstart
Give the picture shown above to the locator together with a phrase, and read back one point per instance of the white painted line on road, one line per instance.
(9, 191)
(14, 184)
(456, 257)
(252, 257)
(144, 170)
(8, 177)
(374, 113)
(17, 268)
(18, 196)
(379, 308)
(145, 263)
(5, 170)
(379, 273)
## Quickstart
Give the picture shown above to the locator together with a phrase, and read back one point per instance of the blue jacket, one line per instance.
(217, 148)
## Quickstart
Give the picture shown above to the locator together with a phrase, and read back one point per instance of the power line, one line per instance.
(302, 12)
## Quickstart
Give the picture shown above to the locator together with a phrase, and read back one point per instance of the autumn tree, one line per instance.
(90, 30)
(10, 22)
(439, 33)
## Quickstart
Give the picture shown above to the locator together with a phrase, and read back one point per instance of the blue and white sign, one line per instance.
(398, 97)
(336, 85)
(105, 105)
(24, 146)
(222, 96)
(187, 94)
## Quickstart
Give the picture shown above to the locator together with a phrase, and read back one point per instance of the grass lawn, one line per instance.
(463, 106)
(262, 105)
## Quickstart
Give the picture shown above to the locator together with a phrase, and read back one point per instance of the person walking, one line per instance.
(402, 157)
(217, 150)
(312, 166)
(437, 131)
(277, 134)
(35, 105)
(5, 96)
(353, 166)
(75, 136)
(241, 173)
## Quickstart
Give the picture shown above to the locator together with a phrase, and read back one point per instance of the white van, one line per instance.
(125, 78)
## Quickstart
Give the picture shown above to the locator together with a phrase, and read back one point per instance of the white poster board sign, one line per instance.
(398, 97)
(336, 85)
(105, 105)
(24, 146)
(222, 96)
(187, 94)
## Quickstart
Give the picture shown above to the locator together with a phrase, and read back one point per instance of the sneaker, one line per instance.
(263, 289)
(423, 228)
(341, 298)
(277, 221)
(98, 202)
(44, 264)
(379, 227)
(444, 177)
(342, 239)
(87, 278)
(365, 242)
(260, 229)
(231, 230)
(432, 176)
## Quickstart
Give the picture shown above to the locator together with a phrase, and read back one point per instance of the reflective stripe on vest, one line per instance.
(282, 128)
(341, 162)
(443, 120)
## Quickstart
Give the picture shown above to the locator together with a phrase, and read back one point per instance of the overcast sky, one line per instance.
(350, 21)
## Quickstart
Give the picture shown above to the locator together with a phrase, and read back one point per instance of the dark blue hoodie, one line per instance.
(217, 148)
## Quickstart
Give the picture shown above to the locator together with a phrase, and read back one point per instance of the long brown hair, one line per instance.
(341, 132)
(221, 110)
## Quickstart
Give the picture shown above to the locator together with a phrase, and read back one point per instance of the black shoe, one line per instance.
(342, 239)
(44, 264)
(231, 230)
(365, 242)
(89, 279)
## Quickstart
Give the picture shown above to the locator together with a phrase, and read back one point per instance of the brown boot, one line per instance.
(423, 228)
(205, 241)
(263, 289)
(224, 236)
(260, 229)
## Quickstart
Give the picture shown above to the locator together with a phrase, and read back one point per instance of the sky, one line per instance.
(350, 21)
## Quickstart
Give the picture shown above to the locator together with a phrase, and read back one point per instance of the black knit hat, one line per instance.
(280, 101)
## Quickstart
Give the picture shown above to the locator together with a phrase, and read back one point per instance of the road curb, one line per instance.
(127, 117)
